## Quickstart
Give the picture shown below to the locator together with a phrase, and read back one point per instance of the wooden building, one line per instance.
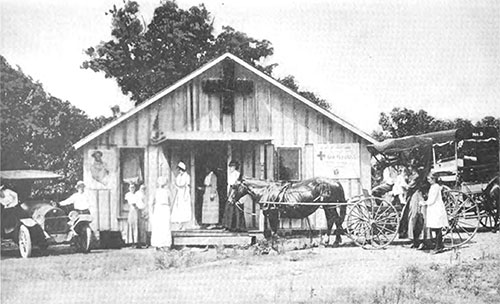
(226, 110)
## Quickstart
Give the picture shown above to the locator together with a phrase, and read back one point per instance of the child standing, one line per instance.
(436, 218)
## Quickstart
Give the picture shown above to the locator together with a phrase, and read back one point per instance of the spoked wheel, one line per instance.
(372, 223)
(487, 219)
(25, 244)
(84, 238)
(463, 218)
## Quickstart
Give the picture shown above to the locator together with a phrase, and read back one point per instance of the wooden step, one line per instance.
(211, 237)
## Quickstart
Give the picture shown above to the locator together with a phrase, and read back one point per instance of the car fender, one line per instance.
(28, 222)
(80, 220)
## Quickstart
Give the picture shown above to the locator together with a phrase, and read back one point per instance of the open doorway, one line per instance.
(210, 155)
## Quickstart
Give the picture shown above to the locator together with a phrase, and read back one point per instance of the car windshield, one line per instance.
(29, 184)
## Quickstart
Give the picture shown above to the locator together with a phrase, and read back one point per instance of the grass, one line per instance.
(473, 282)
(190, 257)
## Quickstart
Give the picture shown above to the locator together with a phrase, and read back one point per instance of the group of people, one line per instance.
(172, 205)
(423, 209)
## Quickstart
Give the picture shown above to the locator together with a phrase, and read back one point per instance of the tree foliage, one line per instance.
(404, 122)
(38, 130)
(145, 59)
(290, 82)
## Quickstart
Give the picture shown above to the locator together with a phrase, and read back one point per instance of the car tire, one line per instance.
(25, 243)
(84, 239)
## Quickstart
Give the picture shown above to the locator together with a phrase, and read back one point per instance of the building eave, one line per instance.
(87, 139)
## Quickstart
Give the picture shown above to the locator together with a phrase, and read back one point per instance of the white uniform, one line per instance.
(161, 235)
(181, 211)
(436, 211)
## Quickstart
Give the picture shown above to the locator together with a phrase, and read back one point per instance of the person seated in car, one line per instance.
(8, 198)
(9, 212)
(79, 200)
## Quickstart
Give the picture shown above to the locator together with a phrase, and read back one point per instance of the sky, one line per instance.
(364, 57)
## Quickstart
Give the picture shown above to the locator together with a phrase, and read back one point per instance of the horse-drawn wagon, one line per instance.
(372, 222)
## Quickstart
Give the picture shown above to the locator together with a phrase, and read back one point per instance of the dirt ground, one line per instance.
(215, 275)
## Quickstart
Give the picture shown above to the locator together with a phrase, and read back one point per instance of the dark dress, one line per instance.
(234, 218)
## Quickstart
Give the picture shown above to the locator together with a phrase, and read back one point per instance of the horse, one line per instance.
(303, 199)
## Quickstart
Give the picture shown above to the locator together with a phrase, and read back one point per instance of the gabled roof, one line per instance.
(200, 71)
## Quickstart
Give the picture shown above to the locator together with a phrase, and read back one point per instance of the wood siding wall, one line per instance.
(268, 111)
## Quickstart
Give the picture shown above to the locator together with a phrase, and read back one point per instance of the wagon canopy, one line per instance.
(395, 145)
(27, 175)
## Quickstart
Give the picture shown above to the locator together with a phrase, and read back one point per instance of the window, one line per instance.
(289, 164)
(131, 171)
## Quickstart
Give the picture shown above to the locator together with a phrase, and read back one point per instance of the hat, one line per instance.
(96, 152)
(233, 164)
(181, 166)
(79, 184)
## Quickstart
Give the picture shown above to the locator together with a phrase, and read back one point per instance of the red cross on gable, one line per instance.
(228, 86)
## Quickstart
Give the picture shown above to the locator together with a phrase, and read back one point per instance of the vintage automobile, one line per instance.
(40, 222)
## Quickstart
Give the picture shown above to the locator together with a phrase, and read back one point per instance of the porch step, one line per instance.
(211, 237)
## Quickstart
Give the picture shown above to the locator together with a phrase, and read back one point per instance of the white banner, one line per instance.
(337, 160)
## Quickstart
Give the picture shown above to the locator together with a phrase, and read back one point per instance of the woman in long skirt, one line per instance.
(416, 221)
(181, 211)
(436, 218)
(133, 216)
(161, 235)
(142, 220)
(210, 210)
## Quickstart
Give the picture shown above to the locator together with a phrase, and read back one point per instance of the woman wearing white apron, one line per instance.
(181, 212)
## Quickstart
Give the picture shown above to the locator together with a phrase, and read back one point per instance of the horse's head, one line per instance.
(239, 190)
(323, 191)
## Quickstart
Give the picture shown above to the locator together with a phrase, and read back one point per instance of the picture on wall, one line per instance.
(99, 171)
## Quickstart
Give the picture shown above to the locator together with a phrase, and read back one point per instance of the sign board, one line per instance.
(337, 160)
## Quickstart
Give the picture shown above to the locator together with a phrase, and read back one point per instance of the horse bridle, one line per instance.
(250, 192)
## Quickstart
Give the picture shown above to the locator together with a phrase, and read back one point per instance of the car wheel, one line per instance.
(25, 244)
(84, 239)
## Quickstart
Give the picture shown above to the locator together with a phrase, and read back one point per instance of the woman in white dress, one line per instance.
(436, 217)
(134, 212)
(210, 210)
(181, 211)
(161, 235)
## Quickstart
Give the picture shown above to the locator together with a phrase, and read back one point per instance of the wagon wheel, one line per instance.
(25, 244)
(463, 218)
(372, 223)
(487, 218)
(487, 213)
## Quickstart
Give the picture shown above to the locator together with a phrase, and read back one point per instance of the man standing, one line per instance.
(79, 200)
(234, 219)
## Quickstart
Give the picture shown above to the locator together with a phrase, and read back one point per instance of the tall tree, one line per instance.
(403, 122)
(290, 82)
(489, 121)
(38, 130)
(146, 59)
